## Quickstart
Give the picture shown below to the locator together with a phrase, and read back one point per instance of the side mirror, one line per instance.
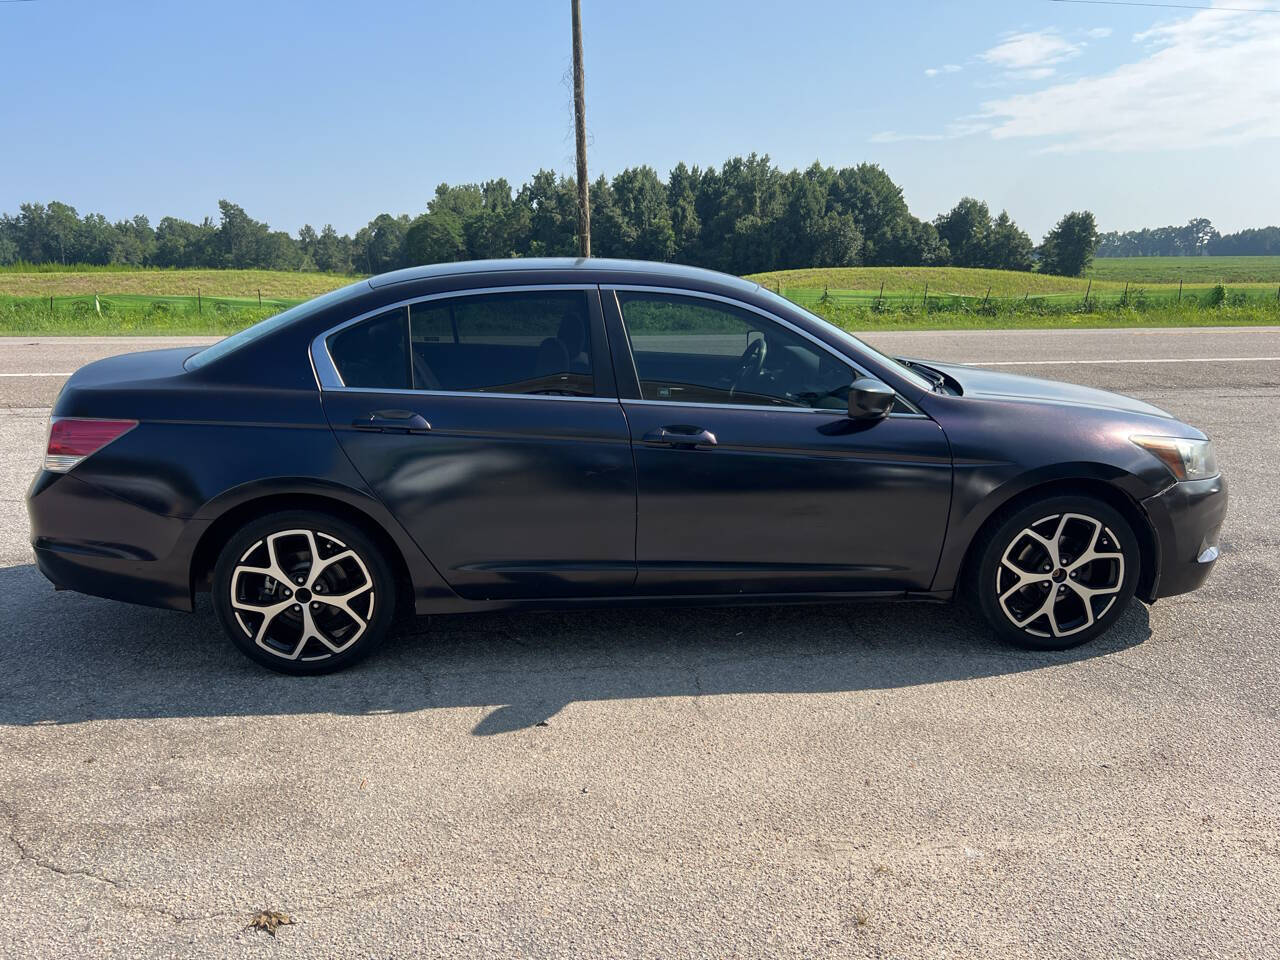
(869, 399)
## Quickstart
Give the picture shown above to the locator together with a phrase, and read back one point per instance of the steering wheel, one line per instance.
(752, 363)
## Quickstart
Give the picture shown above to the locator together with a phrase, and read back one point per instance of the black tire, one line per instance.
(1088, 596)
(307, 632)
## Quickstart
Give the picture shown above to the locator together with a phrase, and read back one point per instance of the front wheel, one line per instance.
(1057, 573)
(303, 592)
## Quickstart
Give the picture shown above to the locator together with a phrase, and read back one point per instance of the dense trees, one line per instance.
(1197, 238)
(975, 239)
(744, 216)
(1068, 248)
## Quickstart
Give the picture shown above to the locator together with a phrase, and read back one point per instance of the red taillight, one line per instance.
(72, 439)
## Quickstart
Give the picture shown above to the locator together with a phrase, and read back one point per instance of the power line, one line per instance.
(1168, 6)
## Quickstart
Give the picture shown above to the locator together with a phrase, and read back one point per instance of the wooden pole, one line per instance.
(199, 302)
(1179, 289)
(580, 134)
(926, 297)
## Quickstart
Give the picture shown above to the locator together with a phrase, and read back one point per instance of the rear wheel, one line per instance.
(303, 592)
(1057, 573)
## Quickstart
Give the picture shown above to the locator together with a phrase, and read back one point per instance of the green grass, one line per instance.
(858, 318)
(233, 284)
(165, 301)
(132, 314)
(1230, 270)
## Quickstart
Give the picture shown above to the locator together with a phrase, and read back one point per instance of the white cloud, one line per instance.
(1207, 80)
(1099, 33)
(1037, 49)
(964, 127)
(945, 68)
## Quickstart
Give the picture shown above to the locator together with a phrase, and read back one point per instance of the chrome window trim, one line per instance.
(810, 411)
(326, 371)
(914, 413)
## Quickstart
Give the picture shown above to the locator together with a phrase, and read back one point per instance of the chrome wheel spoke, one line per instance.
(295, 578)
(320, 566)
(1097, 570)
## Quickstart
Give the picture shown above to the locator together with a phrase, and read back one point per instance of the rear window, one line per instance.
(259, 330)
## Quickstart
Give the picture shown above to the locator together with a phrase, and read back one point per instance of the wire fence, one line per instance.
(925, 300)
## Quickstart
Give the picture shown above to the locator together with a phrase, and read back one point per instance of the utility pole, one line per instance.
(580, 134)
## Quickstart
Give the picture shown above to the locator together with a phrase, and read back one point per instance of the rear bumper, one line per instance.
(1187, 518)
(93, 542)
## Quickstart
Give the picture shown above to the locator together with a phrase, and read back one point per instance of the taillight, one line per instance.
(72, 439)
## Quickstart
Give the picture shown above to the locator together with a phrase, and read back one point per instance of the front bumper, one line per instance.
(1187, 519)
(93, 542)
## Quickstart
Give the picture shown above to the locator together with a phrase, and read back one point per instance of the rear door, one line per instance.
(487, 421)
(751, 478)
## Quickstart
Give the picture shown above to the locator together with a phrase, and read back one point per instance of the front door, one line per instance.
(751, 478)
(487, 424)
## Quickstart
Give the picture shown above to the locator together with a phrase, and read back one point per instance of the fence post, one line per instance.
(987, 297)
(1179, 289)
(1087, 291)
(1124, 298)
(926, 298)
(880, 297)
(259, 297)
(199, 302)
(51, 306)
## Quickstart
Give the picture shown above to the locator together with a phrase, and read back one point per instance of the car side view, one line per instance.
(495, 434)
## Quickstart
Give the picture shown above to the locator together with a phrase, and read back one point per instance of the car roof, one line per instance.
(592, 269)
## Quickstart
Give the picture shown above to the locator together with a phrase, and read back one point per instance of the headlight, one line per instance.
(1186, 459)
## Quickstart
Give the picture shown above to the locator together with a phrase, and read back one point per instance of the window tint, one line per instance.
(701, 351)
(374, 353)
(528, 342)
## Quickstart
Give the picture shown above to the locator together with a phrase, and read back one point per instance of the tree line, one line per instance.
(1197, 238)
(744, 217)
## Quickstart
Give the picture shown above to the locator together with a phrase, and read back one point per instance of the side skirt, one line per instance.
(450, 606)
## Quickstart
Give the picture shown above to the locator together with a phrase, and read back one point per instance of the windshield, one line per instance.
(903, 371)
(260, 329)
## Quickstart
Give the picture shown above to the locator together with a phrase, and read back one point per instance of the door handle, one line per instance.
(392, 421)
(682, 436)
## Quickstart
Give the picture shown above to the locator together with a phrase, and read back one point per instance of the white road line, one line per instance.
(1062, 363)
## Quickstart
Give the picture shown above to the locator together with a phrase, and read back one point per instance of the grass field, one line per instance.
(232, 284)
(1229, 270)
(217, 302)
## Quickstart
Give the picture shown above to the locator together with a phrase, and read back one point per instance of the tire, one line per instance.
(1056, 573)
(328, 617)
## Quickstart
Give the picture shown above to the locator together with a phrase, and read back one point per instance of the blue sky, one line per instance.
(321, 112)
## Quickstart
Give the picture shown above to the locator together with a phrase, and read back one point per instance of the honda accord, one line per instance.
(530, 433)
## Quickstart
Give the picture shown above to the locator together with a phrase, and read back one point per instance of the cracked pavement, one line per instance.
(852, 780)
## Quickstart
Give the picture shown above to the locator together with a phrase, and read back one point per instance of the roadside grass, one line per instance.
(958, 281)
(858, 318)
(240, 284)
(182, 316)
(137, 302)
(132, 314)
(1188, 269)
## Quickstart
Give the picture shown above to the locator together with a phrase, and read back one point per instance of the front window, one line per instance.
(861, 345)
(693, 350)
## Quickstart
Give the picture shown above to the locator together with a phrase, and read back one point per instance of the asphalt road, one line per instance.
(861, 780)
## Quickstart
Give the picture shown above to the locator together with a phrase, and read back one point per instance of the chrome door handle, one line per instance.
(392, 421)
(681, 436)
